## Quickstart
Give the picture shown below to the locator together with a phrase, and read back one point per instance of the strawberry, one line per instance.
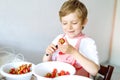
(62, 41)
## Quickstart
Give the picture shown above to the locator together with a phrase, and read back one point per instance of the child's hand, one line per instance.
(66, 47)
(51, 49)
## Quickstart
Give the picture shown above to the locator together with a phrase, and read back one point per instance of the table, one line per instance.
(33, 77)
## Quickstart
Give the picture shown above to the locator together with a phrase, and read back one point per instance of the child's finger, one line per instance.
(66, 41)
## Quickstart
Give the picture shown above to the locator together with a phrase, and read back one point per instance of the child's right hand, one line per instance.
(51, 49)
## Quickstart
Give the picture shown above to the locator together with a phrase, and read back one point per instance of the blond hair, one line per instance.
(71, 6)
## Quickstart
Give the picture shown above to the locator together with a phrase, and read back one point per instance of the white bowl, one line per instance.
(41, 69)
(72, 77)
(4, 70)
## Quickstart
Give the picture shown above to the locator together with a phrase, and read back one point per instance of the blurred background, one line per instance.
(29, 26)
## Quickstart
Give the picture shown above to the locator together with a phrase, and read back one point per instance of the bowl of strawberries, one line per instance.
(52, 69)
(17, 70)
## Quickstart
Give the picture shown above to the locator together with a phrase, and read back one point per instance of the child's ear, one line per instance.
(85, 22)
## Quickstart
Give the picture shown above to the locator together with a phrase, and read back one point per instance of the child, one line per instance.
(78, 49)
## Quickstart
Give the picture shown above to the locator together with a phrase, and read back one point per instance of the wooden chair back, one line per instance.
(106, 71)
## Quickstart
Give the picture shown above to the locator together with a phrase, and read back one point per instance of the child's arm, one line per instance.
(49, 51)
(87, 64)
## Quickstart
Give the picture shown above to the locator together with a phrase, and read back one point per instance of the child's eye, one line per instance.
(64, 23)
(74, 23)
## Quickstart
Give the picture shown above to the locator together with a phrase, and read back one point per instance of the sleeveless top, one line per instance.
(71, 60)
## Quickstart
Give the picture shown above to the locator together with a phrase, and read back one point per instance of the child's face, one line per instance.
(72, 25)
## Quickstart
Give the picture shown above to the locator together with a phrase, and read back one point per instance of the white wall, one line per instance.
(115, 55)
(100, 24)
(30, 25)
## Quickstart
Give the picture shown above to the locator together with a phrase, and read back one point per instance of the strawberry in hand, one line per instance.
(64, 47)
(62, 40)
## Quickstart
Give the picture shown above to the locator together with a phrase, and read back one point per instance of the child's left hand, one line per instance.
(66, 47)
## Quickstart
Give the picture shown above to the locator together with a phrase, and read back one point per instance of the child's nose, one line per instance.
(70, 26)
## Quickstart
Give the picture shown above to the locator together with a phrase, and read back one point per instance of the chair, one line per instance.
(105, 72)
